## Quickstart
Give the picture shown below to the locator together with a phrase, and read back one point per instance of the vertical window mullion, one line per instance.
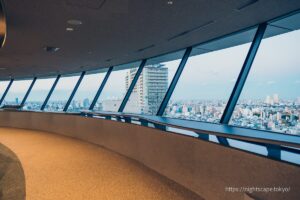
(175, 79)
(243, 74)
(104, 81)
(131, 87)
(28, 91)
(74, 91)
(50, 92)
(6, 91)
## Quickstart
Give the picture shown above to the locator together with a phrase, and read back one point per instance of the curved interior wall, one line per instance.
(12, 178)
(203, 167)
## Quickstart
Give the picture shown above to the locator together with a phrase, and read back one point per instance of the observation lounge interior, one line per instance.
(150, 100)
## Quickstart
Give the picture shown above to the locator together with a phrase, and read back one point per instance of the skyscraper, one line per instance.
(150, 89)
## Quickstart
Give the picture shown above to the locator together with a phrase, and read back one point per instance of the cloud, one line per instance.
(271, 82)
(233, 80)
(215, 72)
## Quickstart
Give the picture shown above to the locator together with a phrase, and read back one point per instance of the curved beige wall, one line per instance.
(12, 178)
(203, 167)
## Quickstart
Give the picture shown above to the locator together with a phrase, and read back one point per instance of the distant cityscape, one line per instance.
(272, 113)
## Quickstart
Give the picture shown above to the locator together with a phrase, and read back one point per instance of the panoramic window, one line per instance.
(115, 88)
(16, 92)
(270, 99)
(208, 78)
(61, 93)
(3, 86)
(152, 84)
(87, 91)
(38, 94)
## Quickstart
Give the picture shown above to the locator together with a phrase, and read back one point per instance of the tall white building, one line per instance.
(276, 98)
(150, 89)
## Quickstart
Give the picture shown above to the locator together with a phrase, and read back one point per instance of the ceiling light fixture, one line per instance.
(170, 2)
(74, 22)
(70, 29)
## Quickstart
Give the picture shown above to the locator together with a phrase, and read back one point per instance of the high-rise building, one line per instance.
(86, 103)
(150, 89)
(276, 99)
(270, 100)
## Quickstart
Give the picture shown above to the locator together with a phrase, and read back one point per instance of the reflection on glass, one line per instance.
(86, 91)
(16, 92)
(3, 86)
(38, 94)
(115, 88)
(152, 84)
(259, 149)
(208, 78)
(61, 93)
(271, 96)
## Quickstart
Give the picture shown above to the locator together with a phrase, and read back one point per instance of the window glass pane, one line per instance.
(3, 86)
(207, 81)
(38, 94)
(17, 92)
(290, 157)
(115, 88)
(271, 96)
(259, 149)
(152, 84)
(87, 91)
(61, 93)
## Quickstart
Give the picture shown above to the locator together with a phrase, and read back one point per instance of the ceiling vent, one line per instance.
(2, 24)
(92, 4)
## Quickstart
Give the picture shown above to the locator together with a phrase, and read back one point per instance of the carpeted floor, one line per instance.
(61, 168)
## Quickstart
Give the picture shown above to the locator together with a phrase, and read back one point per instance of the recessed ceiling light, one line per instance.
(69, 29)
(169, 2)
(75, 22)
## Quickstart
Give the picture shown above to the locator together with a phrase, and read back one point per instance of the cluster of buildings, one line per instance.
(271, 114)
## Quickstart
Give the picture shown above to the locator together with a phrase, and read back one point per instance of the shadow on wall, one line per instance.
(12, 179)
